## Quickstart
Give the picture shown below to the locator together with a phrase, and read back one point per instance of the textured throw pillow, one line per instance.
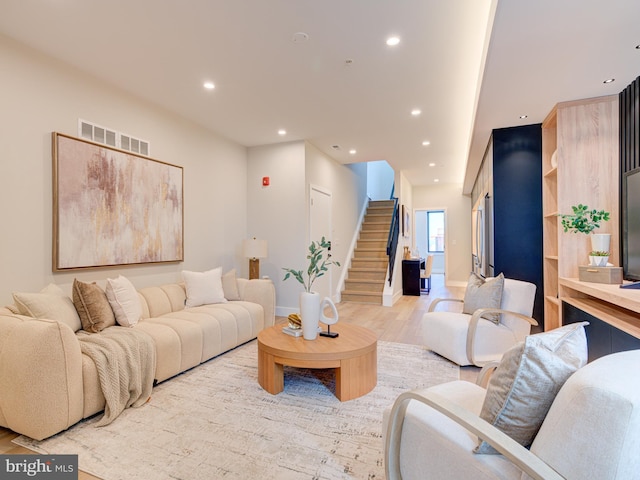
(481, 293)
(530, 374)
(203, 288)
(50, 303)
(124, 301)
(92, 306)
(230, 285)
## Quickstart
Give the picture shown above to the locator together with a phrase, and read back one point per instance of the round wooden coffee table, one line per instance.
(353, 355)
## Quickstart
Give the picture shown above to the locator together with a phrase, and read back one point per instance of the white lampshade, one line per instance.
(255, 248)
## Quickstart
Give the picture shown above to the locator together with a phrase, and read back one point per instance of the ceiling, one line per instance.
(468, 65)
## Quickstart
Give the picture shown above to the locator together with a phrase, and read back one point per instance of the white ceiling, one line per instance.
(541, 52)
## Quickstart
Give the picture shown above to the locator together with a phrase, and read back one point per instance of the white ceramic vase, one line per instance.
(310, 313)
(600, 242)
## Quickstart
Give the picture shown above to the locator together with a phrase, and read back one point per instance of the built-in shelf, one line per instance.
(554, 300)
(551, 257)
(552, 172)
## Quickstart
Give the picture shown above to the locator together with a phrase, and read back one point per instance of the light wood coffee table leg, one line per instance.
(356, 376)
(270, 373)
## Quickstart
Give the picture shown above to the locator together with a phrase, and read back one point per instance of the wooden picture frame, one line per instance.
(112, 207)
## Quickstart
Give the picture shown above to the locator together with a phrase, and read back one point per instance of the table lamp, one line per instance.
(255, 249)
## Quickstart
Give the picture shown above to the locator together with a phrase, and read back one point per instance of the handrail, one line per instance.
(392, 240)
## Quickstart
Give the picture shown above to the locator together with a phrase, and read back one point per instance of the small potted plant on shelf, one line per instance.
(598, 258)
(584, 220)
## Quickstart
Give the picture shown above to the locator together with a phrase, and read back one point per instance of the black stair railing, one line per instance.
(392, 241)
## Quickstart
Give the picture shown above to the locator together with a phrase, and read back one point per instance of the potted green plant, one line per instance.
(598, 258)
(585, 220)
(319, 263)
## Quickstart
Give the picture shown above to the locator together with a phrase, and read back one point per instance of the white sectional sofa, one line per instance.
(47, 384)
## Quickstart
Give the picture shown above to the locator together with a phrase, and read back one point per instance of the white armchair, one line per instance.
(470, 339)
(592, 430)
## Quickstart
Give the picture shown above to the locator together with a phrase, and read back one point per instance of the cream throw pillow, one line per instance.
(203, 288)
(530, 374)
(230, 285)
(92, 306)
(124, 301)
(481, 293)
(50, 303)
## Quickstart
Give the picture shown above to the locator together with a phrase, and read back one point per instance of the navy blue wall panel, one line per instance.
(517, 206)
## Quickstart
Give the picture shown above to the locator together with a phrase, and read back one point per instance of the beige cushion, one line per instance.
(92, 306)
(526, 382)
(481, 293)
(203, 288)
(230, 285)
(124, 301)
(50, 303)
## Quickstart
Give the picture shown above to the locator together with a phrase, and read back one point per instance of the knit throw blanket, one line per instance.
(126, 363)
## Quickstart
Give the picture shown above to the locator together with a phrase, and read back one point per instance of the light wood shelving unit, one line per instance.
(550, 221)
(585, 135)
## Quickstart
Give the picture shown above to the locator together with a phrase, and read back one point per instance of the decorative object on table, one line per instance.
(583, 220)
(328, 321)
(319, 263)
(108, 208)
(254, 250)
(554, 159)
(598, 258)
(406, 254)
(294, 325)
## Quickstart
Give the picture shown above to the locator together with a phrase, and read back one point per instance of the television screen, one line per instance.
(631, 225)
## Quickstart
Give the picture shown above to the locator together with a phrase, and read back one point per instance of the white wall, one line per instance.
(380, 179)
(40, 95)
(348, 187)
(458, 226)
(280, 213)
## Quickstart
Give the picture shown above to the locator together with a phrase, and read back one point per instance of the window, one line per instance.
(435, 231)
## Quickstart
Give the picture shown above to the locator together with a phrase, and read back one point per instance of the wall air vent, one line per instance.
(106, 136)
(135, 145)
(96, 133)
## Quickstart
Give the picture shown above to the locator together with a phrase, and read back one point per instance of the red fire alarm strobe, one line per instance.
(265, 181)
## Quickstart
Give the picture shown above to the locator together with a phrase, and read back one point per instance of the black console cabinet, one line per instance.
(411, 277)
(602, 338)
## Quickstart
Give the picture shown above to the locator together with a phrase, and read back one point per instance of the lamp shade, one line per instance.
(255, 248)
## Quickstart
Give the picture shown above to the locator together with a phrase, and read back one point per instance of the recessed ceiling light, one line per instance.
(282, 131)
(415, 112)
(432, 164)
(425, 143)
(609, 80)
(209, 85)
(522, 117)
(393, 41)
(436, 180)
(352, 151)
(637, 47)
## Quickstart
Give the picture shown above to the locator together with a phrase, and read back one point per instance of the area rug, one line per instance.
(215, 421)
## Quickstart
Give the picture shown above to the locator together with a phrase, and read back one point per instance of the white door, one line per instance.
(320, 226)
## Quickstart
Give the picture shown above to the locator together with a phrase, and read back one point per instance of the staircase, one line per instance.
(366, 277)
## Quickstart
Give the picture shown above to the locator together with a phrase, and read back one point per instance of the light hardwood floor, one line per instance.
(400, 323)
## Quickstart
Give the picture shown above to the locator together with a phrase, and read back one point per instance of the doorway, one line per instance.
(320, 226)
(430, 236)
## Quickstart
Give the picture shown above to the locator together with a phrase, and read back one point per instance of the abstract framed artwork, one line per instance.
(112, 207)
(405, 222)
